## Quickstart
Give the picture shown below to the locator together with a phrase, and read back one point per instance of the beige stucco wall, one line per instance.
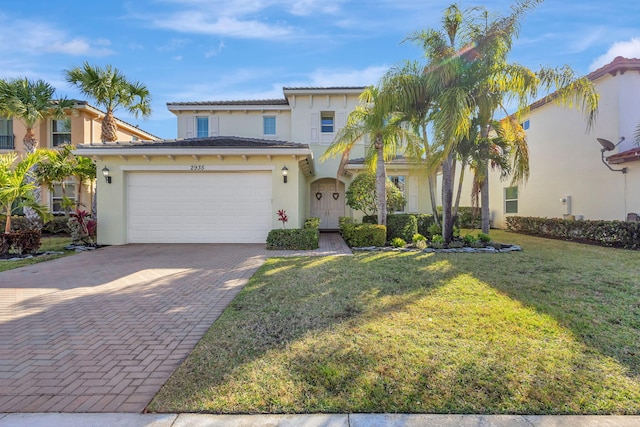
(565, 160)
(112, 227)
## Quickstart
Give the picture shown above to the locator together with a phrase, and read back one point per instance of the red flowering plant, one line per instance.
(82, 228)
(282, 216)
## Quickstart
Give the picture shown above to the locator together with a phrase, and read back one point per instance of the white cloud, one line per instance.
(35, 38)
(627, 49)
(215, 51)
(348, 77)
(203, 23)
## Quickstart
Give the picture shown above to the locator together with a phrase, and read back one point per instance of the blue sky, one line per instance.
(198, 50)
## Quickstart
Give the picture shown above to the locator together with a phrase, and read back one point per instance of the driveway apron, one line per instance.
(102, 331)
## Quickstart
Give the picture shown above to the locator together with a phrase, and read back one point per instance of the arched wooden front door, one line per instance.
(327, 202)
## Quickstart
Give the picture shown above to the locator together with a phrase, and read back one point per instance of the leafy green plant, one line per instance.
(434, 230)
(397, 242)
(421, 244)
(437, 242)
(361, 195)
(469, 239)
(82, 228)
(365, 235)
(417, 238)
(312, 222)
(484, 238)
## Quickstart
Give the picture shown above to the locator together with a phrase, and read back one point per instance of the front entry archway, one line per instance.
(327, 202)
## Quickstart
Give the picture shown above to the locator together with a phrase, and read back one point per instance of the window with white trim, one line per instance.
(511, 200)
(202, 126)
(60, 132)
(399, 182)
(269, 125)
(327, 121)
(58, 202)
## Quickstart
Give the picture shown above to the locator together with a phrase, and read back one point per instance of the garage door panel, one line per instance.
(199, 207)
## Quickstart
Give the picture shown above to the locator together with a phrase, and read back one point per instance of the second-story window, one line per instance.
(269, 125)
(6, 134)
(60, 132)
(327, 121)
(202, 127)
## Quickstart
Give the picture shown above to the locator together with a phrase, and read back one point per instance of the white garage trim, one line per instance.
(198, 207)
(200, 168)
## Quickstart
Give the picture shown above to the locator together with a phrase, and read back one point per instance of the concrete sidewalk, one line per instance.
(312, 420)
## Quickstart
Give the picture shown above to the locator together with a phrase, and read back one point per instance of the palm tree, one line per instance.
(468, 73)
(59, 165)
(111, 90)
(385, 133)
(85, 172)
(16, 187)
(31, 102)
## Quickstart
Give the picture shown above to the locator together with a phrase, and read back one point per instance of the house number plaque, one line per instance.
(197, 167)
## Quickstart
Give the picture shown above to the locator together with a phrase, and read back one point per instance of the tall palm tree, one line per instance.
(385, 134)
(16, 189)
(111, 90)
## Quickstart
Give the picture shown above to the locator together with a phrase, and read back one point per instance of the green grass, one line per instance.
(554, 329)
(48, 244)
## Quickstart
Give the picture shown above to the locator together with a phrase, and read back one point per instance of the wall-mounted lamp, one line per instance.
(285, 171)
(105, 173)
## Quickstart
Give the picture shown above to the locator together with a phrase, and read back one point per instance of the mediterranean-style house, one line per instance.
(572, 174)
(82, 125)
(232, 167)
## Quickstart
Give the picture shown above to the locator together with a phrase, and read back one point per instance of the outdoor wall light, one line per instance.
(285, 171)
(105, 173)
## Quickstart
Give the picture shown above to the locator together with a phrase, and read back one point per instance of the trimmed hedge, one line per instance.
(293, 239)
(403, 226)
(423, 222)
(468, 217)
(358, 235)
(623, 234)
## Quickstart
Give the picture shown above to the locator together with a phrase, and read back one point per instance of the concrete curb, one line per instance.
(311, 420)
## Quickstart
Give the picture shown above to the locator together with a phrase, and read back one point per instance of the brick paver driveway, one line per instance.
(102, 331)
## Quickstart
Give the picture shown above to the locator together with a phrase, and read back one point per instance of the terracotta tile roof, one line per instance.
(618, 65)
(210, 142)
(625, 156)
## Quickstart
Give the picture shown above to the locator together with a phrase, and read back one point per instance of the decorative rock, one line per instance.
(428, 250)
(466, 249)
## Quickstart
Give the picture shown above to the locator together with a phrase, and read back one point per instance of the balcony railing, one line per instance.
(6, 142)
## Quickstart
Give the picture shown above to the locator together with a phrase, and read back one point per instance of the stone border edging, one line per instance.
(488, 249)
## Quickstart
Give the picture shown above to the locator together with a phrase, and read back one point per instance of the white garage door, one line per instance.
(199, 207)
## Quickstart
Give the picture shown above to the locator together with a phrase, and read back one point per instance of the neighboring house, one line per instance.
(222, 179)
(568, 178)
(82, 125)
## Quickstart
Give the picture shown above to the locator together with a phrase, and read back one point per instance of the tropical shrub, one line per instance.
(434, 230)
(361, 195)
(469, 239)
(421, 244)
(57, 225)
(403, 226)
(282, 217)
(312, 222)
(20, 242)
(437, 241)
(424, 222)
(484, 238)
(417, 238)
(81, 228)
(293, 239)
(397, 242)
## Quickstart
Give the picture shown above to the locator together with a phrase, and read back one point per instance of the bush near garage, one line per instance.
(622, 234)
(293, 239)
(20, 242)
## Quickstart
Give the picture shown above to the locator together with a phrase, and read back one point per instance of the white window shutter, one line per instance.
(189, 126)
(315, 120)
(340, 121)
(213, 126)
(413, 194)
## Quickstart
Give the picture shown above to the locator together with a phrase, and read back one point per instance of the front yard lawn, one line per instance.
(56, 244)
(554, 329)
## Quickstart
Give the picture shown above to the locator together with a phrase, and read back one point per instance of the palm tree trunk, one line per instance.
(30, 142)
(447, 199)
(381, 182)
(432, 180)
(109, 132)
(484, 203)
(456, 205)
(484, 190)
